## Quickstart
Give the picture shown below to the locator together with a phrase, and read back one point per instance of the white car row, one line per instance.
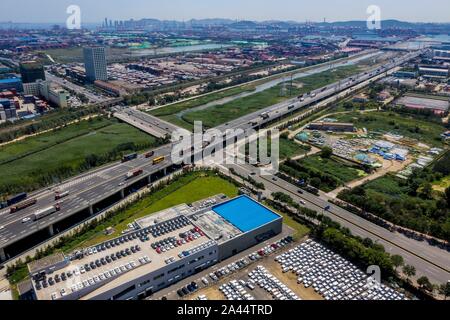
(234, 290)
(271, 284)
(332, 276)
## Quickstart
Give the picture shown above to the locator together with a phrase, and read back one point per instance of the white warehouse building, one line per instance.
(162, 249)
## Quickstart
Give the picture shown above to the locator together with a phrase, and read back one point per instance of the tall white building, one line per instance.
(95, 63)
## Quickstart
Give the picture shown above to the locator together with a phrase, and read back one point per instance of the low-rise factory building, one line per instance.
(163, 248)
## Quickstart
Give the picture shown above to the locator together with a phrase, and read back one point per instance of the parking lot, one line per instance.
(288, 271)
(332, 276)
(255, 276)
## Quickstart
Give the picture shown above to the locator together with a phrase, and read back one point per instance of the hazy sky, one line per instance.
(297, 10)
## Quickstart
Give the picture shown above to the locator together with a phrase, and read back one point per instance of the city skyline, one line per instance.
(48, 11)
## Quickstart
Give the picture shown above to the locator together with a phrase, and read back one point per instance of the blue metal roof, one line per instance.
(10, 80)
(245, 213)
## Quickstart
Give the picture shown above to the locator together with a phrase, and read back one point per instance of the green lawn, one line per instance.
(409, 126)
(41, 160)
(291, 149)
(217, 115)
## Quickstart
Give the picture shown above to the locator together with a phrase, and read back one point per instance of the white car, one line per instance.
(25, 220)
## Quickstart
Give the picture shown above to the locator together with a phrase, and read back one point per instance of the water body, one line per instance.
(272, 83)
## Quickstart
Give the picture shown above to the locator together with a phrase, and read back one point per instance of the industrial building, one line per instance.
(11, 83)
(437, 106)
(49, 91)
(95, 63)
(160, 250)
(31, 71)
(439, 72)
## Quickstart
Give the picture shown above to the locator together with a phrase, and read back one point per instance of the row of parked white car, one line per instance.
(272, 285)
(234, 290)
(332, 276)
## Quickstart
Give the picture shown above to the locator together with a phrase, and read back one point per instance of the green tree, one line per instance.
(444, 289)
(397, 261)
(409, 271)
(327, 152)
(447, 195)
(425, 283)
(427, 191)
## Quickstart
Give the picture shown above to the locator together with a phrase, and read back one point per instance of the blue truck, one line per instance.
(129, 157)
(17, 198)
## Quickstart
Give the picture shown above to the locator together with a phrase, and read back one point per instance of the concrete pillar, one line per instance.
(122, 193)
(51, 231)
(165, 171)
(2, 254)
(91, 210)
(149, 179)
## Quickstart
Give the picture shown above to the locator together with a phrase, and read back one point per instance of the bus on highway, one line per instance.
(158, 160)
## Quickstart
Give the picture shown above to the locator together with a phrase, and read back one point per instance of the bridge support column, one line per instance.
(149, 179)
(165, 171)
(122, 193)
(2, 254)
(91, 210)
(51, 231)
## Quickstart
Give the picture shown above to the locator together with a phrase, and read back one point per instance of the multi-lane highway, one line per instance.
(90, 188)
(84, 191)
(145, 122)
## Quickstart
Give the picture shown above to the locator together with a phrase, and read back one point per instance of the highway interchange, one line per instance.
(98, 184)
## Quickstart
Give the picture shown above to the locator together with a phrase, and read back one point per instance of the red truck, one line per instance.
(23, 205)
(149, 154)
(134, 173)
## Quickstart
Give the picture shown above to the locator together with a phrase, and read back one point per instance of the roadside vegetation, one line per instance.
(410, 203)
(48, 158)
(324, 172)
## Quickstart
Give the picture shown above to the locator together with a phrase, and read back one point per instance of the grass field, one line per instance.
(322, 173)
(34, 162)
(443, 184)
(75, 54)
(290, 149)
(333, 167)
(217, 115)
(412, 127)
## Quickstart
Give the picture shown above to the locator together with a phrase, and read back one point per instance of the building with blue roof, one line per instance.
(11, 83)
